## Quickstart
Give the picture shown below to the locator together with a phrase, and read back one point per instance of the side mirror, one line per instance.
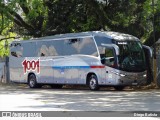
(103, 61)
(149, 50)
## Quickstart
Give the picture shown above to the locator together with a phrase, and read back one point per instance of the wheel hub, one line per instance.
(32, 83)
(92, 83)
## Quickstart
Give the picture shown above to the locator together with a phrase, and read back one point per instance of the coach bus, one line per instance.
(91, 58)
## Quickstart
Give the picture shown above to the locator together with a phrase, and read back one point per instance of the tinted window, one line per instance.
(67, 47)
(107, 57)
(131, 57)
(50, 48)
(87, 46)
(58, 46)
(16, 50)
(71, 46)
(29, 49)
(102, 40)
(99, 40)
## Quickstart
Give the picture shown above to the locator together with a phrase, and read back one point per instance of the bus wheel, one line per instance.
(119, 88)
(56, 86)
(32, 81)
(93, 82)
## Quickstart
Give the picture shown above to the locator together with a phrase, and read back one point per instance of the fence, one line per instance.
(4, 70)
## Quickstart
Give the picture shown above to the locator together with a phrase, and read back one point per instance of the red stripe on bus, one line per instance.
(97, 66)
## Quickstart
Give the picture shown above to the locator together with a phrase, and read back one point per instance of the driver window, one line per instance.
(107, 57)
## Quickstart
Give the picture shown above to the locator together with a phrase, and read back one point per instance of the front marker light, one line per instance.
(144, 75)
(122, 75)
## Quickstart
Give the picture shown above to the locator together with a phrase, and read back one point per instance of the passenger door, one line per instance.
(109, 60)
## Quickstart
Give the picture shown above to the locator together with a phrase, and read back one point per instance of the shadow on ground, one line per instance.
(82, 99)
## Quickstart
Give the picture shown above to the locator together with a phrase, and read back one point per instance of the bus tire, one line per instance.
(93, 83)
(119, 88)
(32, 82)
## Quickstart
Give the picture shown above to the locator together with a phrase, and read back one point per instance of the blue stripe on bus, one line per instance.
(76, 67)
(71, 67)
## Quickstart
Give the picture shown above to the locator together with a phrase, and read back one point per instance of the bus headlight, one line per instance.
(122, 75)
(144, 75)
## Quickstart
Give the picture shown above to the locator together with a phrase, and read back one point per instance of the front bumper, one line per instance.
(132, 79)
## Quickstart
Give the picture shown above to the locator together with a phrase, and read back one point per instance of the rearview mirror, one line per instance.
(149, 50)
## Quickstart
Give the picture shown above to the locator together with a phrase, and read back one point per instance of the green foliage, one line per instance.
(36, 18)
(5, 32)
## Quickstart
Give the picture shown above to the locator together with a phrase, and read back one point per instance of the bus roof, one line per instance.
(112, 35)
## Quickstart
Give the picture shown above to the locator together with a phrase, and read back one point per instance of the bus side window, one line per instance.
(58, 47)
(46, 48)
(43, 51)
(29, 49)
(52, 51)
(87, 46)
(107, 57)
(71, 46)
(17, 51)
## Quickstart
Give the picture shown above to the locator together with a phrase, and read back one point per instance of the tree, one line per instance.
(48, 17)
(149, 23)
(5, 31)
(36, 18)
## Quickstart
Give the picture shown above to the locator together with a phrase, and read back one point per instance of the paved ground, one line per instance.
(22, 98)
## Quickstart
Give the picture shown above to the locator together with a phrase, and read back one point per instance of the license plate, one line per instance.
(134, 83)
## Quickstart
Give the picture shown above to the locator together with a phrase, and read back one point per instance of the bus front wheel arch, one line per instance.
(92, 81)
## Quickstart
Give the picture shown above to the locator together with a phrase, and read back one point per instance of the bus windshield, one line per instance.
(131, 57)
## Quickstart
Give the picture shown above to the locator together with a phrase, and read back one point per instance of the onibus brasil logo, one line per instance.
(31, 65)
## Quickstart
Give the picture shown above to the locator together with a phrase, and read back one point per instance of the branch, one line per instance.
(17, 18)
(20, 20)
(24, 7)
(40, 23)
(8, 38)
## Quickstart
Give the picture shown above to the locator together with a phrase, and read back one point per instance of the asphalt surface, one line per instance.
(22, 98)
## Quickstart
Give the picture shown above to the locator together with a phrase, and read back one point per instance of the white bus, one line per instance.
(94, 59)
